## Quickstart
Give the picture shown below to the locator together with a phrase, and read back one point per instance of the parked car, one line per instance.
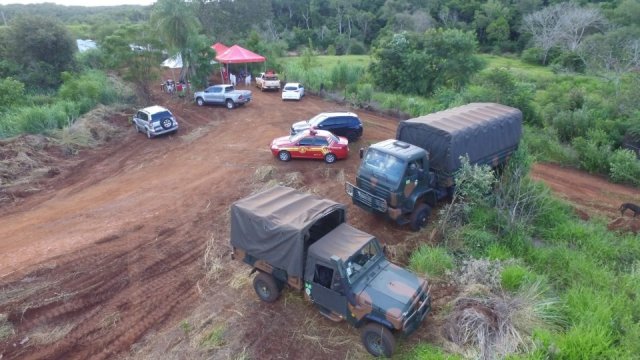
(345, 124)
(268, 81)
(222, 94)
(155, 120)
(311, 144)
(292, 91)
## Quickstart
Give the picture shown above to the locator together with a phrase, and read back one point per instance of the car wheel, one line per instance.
(378, 340)
(284, 155)
(230, 104)
(266, 287)
(149, 134)
(200, 101)
(166, 123)
(419, 216)
(330, 158)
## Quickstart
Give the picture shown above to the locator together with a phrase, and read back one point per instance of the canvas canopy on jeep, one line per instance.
(278, 224)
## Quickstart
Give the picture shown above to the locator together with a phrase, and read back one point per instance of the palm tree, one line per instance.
(177, 25)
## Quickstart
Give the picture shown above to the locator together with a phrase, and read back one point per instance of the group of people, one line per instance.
(233, 79)
(170, 86)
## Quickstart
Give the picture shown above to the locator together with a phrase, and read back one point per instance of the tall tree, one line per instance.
(42, 47)
(177, 26)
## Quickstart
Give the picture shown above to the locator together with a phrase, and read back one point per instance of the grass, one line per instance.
(329, 62)
(517, 66)
(213, 338)
(432, 261)
(6, 329)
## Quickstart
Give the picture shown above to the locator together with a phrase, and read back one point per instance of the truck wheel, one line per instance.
(284, 155)
(330, 158)
(230, 104)
(200, 101)
(266, 287)
(378, 340)
(419, 216)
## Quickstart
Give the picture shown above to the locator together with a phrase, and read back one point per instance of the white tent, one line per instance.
(173, 62)
(84, 45)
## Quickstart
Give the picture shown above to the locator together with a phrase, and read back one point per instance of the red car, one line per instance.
(311, 144)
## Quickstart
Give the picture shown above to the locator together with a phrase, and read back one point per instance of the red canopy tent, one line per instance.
(238, 55)
(219, 48)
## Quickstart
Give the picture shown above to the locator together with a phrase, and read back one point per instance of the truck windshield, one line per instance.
(362, 260)
(382, 163)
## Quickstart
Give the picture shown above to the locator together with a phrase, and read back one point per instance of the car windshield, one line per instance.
(292, 88)
(362, 260)
(161, 115)
(387, 165)
(296, 137)
(317, 119)
(334, 138)
(270, 77)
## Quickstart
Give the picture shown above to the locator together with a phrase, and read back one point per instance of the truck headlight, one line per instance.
(349, 189)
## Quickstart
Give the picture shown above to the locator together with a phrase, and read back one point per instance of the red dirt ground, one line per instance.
(110, 252)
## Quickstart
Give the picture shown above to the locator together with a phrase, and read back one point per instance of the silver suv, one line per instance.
(155, 120)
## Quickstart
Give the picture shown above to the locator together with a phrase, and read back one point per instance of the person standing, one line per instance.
(247, 80)
(232, 76)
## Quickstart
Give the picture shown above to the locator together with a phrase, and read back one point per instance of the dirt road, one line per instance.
(112, 254)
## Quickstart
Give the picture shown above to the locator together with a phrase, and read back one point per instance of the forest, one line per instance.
(573, 68)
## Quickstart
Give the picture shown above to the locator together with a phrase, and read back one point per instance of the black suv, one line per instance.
(345, 124)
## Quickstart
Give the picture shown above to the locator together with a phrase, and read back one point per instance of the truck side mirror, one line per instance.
(361, 153)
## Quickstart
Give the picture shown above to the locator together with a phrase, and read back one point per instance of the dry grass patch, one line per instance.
(6, 329)
(89, 130)
(329, 337)
(213, 264)
(49, 335)
(493, 326)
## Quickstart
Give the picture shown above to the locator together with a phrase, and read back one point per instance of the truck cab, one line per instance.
(297, 239)
(394, 179)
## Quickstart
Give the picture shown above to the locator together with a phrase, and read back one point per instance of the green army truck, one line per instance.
(295, 239)
(404, 177)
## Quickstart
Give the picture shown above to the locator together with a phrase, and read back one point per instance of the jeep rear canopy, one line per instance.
(273, 225)
(487, 132)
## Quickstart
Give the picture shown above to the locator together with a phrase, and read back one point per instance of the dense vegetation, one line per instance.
(572, 68)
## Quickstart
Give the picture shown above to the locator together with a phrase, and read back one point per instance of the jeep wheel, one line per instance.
(230, 104)
(378, 340)
(166, 123)
(419, 216)
(330, 158)
(200, 101)
(266, 287)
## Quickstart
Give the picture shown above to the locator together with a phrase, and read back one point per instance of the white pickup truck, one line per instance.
(266, 81)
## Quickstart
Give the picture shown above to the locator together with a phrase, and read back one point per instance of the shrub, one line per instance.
(624, 167)
(477, 241)
(532, 56)
(544, 145)
(514, 276)
(433, 261)
(593, 155)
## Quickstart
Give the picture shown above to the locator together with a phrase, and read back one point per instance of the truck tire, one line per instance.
(266, 287)
(200, 101)
(230, 104)
(378, 340)
(419, 216)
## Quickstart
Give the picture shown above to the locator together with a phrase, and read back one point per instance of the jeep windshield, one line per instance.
(384, 166)
(316, 120)
(363, 260)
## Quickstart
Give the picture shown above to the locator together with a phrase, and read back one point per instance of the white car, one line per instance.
(292, 91)
(155, 120)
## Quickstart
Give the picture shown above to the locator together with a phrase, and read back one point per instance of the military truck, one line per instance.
(404, 177)
(291, 238)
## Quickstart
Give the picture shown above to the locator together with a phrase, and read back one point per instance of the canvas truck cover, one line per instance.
(272, 225)
(487, 132)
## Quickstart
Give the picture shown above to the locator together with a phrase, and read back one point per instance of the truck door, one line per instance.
(326, 289)
(216, 95)
(413, 175)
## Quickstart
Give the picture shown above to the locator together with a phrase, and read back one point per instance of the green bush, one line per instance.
(544, 145)
(592, 155)
(532, 56)
(477, 241)
(624, 167)
(424, 351)
(514, 276)
(433, 261)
